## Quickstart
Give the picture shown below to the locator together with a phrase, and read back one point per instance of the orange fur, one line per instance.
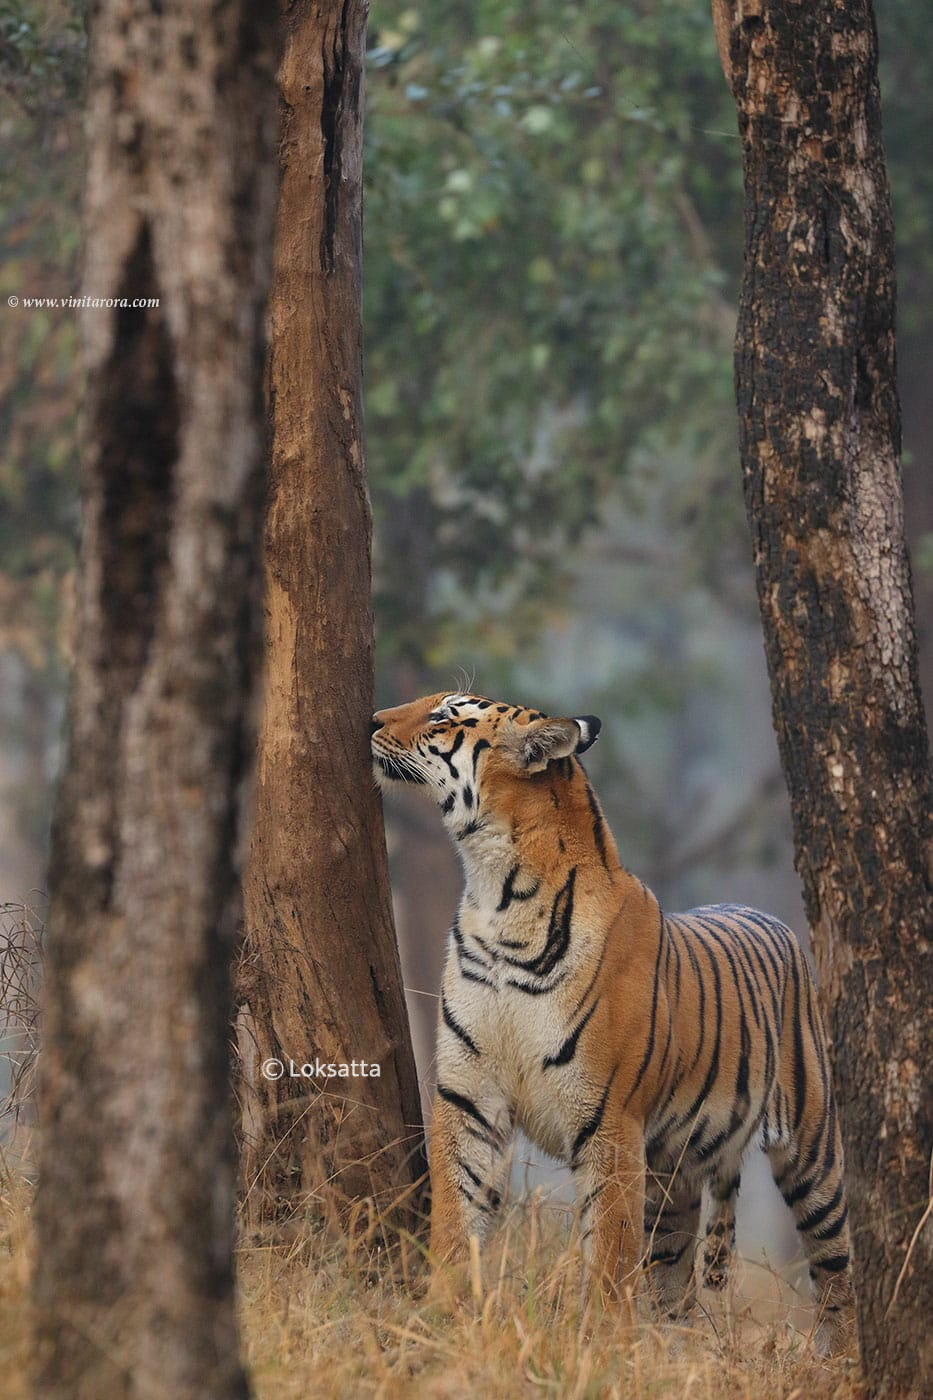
(645, 1050)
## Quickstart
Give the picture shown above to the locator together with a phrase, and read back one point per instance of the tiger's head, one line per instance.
(462, 748)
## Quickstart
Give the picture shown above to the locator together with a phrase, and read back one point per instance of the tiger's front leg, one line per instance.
(470, 1137)
(610, 1169)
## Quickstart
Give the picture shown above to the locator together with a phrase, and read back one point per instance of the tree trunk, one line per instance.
(135, 1204)
(819, 434)
(321, 977)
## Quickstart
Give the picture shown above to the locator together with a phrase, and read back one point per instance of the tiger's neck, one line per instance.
(515, 849)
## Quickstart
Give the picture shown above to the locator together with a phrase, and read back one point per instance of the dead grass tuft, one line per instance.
(330, 1310)
(324, 1318)
(15, 1273)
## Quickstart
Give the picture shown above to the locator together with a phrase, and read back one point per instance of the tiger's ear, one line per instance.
(589, 731)
(533, 746)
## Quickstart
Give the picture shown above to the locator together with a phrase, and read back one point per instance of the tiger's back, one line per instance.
(647, 1051)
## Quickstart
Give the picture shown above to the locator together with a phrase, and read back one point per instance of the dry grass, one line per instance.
(323, 1318)
(326, 1317)
(15, 1268)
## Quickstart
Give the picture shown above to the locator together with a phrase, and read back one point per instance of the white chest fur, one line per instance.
(502, 1028)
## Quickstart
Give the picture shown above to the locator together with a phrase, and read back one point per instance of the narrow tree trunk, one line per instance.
(135, 1205)
(321, 977)
(819, 431)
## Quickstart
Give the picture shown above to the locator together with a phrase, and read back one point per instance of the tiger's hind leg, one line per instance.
(719, 1247)
(672, 1220)
(815, 1193)
(801, 1134)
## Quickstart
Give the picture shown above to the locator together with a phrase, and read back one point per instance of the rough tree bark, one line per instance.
(819, 435)
(320, 975)
(135, 1204)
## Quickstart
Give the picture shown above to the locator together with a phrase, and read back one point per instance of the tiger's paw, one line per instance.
(716, 1259)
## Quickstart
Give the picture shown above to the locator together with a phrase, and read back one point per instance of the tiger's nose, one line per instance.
(374, 724)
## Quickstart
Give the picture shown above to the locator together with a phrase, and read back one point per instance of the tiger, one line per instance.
(645, 1050)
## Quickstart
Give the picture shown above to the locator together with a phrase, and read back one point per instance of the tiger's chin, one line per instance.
(393, 770)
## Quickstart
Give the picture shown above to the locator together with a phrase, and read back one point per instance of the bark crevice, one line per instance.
(137, 449)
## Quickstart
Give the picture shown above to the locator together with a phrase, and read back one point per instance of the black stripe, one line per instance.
(469, 976)
(492, 1195)
(739, 942)
(836, 1227)
(742, 1096)
(449, 754)
(558, 935)
(718, 1140)
(463, 952)
(590, 984)
(713, 1070)
(679, 927)
(755, 924)
(477, 750)
(670, 1258)
(649, 1048)
(467, 1106)
(725, 1192)
(800, 1070)
(453, 1024)
(599, 831)
(675, 951)
(464, 1166)
(569, 1048)
(592, 1123)
(447, 805)
(833, 1265)
(802, 1189)
(823, 1147)
(509, 892)
(474, 1200)
(721, 936)
(536, 989)
(818, 1215)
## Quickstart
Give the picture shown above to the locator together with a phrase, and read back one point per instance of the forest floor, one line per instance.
(324, 1317)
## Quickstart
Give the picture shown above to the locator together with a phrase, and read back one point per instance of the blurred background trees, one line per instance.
(553, 244)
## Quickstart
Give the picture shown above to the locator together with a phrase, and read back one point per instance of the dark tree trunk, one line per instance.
(321, 974)
(819, 432)
(135, 1204)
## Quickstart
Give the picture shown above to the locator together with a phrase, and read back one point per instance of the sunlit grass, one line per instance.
(323, 1318)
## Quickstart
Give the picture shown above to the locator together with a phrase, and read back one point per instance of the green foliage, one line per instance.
(544, 193)
(553, 245)
(906, 73)
(42, 45)
(41, 66)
